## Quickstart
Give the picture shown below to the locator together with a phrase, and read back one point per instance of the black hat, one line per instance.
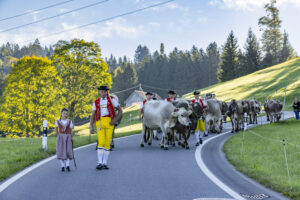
(196, 92)
(148, 93)
(171, 92)
(103, 87)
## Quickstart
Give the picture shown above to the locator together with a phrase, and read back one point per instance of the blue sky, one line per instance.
(181, 23)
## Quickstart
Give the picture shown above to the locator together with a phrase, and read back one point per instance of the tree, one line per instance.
(141, 53)
(252, 53)
(81, 69)
(36, 49)
(287, 51)
(125, 76)
(272, 37)
(229, 59)
(213, 60)
(32, 93)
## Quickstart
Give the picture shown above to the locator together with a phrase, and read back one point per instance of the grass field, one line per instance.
(262, 155)
(263, 84)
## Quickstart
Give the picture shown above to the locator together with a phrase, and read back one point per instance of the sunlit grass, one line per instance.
(261, 156)
(263, 84)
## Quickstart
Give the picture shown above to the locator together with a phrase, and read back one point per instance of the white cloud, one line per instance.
(201, 19)
(118, 28)
(249, 4)
(154, 24)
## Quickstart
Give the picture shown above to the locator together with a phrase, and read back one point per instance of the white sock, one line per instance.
(105, 157)
(197, 135)
(62, 163)
(68, 162)
(201, 134)
(100, 156)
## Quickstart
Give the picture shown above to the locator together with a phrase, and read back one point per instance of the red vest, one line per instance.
(201, 102)
(144, 101)
(169, 99)
(64, 129)
(110, 108)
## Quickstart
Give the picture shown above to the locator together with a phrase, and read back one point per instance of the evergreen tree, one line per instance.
(141, 53)
(252, 54)
(229, 59)
(272, 37)
(213, 60)
(125, 76)
(287, 51)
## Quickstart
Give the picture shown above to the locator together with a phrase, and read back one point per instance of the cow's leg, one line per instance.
(187, 136)
(151, 136)
(218, 126)
(162, 140)
(165, 135)
(143, 136)
(179, 139)
(173, 137)
(155, 134)
(232, 125)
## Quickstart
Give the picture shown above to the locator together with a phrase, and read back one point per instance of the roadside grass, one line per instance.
(16, 154)
(262, 156)
(263, 84)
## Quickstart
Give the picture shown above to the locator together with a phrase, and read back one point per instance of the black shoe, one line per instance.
(205, 135)
(105, 167)
(197, 144)
(68, 168)
(201, 141)
(99, 166)
(63, 169)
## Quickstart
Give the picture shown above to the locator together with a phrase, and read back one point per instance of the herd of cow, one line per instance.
(177, 120)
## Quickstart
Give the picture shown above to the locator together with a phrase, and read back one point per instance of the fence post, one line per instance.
(286, 163)
(44, 141)
(284, 101)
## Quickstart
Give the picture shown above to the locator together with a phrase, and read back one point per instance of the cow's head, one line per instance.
(182, 115)
(197, 110)
(233, 106)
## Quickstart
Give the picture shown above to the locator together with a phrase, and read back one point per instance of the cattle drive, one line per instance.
(179, 118)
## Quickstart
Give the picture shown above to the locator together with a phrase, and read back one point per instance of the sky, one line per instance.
(180, 23)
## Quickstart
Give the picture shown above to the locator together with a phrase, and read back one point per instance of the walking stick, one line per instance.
(74, 157)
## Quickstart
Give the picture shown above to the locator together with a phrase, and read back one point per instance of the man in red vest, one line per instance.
(171, 97)
(106, 119)
(148, 98)
(203, 103)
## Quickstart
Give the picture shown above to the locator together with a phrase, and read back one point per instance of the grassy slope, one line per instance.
(263, 84)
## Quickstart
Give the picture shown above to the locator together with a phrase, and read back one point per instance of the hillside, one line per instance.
(263, 84)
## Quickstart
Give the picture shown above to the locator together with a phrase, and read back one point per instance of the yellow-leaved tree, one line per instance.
(32, 93)
(81, 69)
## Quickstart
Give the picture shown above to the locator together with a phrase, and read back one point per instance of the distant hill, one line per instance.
(263, 84)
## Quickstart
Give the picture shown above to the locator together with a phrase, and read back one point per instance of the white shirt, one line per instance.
(64, 123)
(171, 99)
(203, 101)
(103, 106)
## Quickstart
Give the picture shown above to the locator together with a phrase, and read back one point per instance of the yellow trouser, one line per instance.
(105, 133)
(200, 125)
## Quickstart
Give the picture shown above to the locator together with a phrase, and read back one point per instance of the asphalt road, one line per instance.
(136, 173)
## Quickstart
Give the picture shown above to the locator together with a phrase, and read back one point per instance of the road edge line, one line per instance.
(210, 175)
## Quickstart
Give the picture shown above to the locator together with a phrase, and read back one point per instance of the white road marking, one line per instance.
(16, 177)
(209, 174)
